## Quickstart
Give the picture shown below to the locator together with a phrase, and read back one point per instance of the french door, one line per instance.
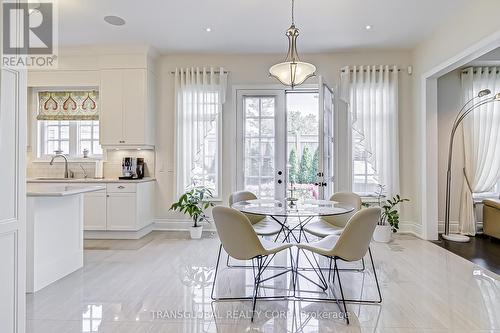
(326, 140)
(261, 142)
(285, 142)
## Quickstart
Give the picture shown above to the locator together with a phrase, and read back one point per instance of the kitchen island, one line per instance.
(54, 232)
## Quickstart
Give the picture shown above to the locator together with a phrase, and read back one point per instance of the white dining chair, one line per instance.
(352, 245)
(241, 242)
(334, 225)
(262, 225)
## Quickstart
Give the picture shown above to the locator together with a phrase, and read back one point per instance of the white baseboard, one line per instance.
(110, 234)
(453, 227)
(412, 228)
(178, 225)
(407, 227)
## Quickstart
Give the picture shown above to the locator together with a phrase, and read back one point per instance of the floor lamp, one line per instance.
(458, 120)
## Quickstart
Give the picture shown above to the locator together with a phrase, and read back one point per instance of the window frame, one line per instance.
(74, 141)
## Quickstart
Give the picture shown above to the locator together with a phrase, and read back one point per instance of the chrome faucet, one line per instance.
(66, 171)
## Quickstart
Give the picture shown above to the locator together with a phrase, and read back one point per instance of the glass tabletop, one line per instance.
(301, 208)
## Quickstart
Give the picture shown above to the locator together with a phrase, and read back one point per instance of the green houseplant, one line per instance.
(389, 219)
(390, 214)
(194, 203)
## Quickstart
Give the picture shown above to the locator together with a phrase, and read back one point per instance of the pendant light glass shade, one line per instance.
(292, 72)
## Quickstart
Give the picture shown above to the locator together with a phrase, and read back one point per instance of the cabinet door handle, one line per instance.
(121, 187)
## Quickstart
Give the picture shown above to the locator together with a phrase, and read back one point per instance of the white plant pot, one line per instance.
(196, 232)
(382, 234)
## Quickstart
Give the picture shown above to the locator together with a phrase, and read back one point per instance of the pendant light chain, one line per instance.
(293, 16)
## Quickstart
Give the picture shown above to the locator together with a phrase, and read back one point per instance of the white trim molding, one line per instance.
(453, 227)
(412, 228)
(178, 224)
(117, 234)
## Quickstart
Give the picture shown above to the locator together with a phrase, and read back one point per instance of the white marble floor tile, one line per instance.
(164, 285)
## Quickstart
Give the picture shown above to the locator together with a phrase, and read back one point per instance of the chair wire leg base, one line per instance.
(262, 264)
(347, 300)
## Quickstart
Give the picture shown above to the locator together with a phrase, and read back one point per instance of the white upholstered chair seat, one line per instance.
(323, 246)
(334, 225)
(272, 247)
(263, 226)
(266, 227)
(322, 228)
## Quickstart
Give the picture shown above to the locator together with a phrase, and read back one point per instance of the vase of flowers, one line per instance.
(194, 203)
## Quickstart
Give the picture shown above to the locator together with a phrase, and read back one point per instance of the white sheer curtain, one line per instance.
(481, 135)
(372, 94)
(199, 95)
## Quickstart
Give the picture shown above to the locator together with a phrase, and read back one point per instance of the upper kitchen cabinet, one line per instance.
(127, 108)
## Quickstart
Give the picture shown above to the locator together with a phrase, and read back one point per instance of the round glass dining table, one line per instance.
(301, 212)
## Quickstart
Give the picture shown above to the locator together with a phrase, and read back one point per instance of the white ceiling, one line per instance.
(255, 26)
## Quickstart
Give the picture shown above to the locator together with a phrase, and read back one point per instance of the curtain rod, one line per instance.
(208, 72)
(365, 70)
(482, 71)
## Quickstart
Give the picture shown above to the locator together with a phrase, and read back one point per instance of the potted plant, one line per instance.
(389, 219)
(194, 203)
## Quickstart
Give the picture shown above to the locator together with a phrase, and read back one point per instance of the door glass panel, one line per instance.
(327, 162)
(302, 144)
(259, 142)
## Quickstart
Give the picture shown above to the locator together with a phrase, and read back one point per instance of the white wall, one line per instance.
(252, 69)
(449, 102)
(468, 33)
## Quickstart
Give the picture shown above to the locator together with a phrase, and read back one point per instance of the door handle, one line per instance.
(280, 181)
(280, 173)
(121, 187)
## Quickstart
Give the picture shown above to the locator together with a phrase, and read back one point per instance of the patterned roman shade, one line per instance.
(68, 105)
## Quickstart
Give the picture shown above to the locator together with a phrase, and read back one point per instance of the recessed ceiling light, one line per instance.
(208, 29)
(368, 27)
(114, 20)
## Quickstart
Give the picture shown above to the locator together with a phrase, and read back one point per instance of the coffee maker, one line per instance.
(132, 168)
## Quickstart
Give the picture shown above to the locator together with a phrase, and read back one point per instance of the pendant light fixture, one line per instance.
(292, 72)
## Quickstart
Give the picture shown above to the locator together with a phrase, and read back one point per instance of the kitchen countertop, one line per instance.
(88, 180)
(59, 190)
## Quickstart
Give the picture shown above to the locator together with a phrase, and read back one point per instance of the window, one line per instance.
(205, 170)
(365, 178)
(68, 122)
(199, 94)
(70, 137)
(372, 93)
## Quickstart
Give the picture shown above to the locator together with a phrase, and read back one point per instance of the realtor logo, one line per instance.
(28, 34)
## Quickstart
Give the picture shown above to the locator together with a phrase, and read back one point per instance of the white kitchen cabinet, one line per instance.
(94, 210)
(129, 205)
(123, 206)
(111, 115)
(121, 211)
(127, 108)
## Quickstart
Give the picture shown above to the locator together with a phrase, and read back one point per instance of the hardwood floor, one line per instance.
(481, 250)
(165, 285)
